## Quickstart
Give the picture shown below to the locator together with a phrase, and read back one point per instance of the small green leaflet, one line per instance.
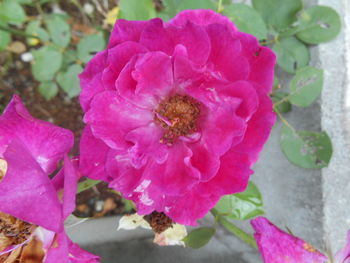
(86, 184)
(5, 39)
(306, 149)
(247, 20)
(136, 9)
(34, 28)
(69, 80)
(172, 7)
(242, 206)
(318, 24)
(199, 237)
(46, 63)
(90, 45)
(306, 86)
(277, 13)
(48, 89)
(291, 54)
(11, 12)
(59, 30)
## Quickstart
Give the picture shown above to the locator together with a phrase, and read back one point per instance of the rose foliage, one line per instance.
(176, 113)
(33, 207)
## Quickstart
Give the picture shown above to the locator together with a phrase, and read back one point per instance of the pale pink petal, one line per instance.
(277, 246)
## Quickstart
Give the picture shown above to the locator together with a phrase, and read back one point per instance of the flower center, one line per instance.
(178, 115)
(158, 221)
(13, 231)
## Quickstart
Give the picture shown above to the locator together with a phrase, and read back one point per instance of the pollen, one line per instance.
(13, 231)
(309, 248)
(178, 115)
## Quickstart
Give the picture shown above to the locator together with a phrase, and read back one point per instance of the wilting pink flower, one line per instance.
(176, 113)
(277, 246)
(33, 207)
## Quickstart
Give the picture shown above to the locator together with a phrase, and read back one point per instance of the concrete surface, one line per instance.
(314, 204)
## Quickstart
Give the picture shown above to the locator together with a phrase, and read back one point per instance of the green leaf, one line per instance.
(69, 80)
(305, 148)
(306, 86)
(277, 14)
(242, 206)
(284, 106)
(46, 63)
(48, 89)
(136, 9)
(172, 7)
(247, 20)
(89, 45)
(318, 24)
(291, 54)
(11, 12)
(59, 30)
(5, 39)
(86, 184)
(199, 237)
(34, 28)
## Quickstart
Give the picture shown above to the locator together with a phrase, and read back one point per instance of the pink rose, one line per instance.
(176, 113)
(33, 207)
(277, 246)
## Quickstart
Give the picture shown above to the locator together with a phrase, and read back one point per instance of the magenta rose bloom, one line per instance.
(176, 113)
(277, 246)
(33, 207)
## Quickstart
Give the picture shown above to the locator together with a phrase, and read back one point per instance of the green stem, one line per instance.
(284, 120)
(17, 32)
(234, 229)
(220, 8)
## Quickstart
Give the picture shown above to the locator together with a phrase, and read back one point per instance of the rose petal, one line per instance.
(111, 117)
(26, 190)
(46, 142)
(277, 246)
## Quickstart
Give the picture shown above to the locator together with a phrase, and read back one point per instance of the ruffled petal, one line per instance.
(222, 128)
(91, 82)
(27, 192)
(277, 246)
(146, 145)
(46, 142)
(226, 54)
(244, 91)
(259, 127)
(125, 30)
(111, 117)
(203, 18)
(93, 155)
(261, 60)
(188, 208)
(232, 177)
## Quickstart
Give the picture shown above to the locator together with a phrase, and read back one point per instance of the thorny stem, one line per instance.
(234, 229)
(17, 32)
